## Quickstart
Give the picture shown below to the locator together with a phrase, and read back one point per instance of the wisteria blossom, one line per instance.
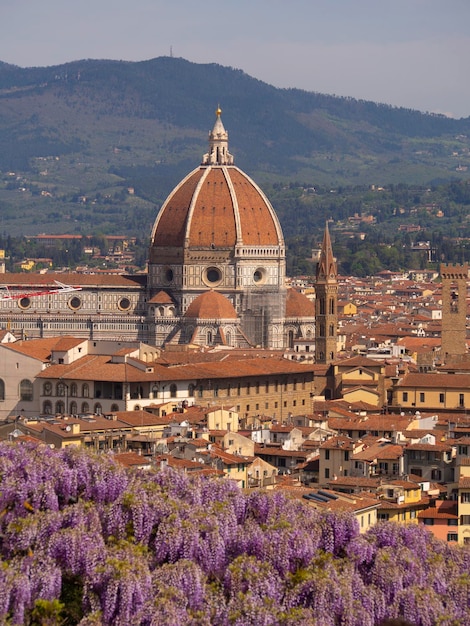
(83, 541)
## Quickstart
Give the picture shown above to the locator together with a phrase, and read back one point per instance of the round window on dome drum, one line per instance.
(212, 276)
(259, 275)
(75, 303)
(124, 304)
(169, 275)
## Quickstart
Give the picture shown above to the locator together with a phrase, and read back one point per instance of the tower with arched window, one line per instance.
(454, 311)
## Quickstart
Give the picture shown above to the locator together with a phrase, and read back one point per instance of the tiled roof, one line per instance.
(338, 442)
(357, 383)
(355, 481)
(273, 450)
(161, 298)
(39, 349)
(429, 447)
(229, 459)
(444, 506)
(216, 207)
(98, 367)
(60, 426)
(298, 305)
(358, 361)
(433, 513)
(379, 451)
(67, 343)
(180, 463)
(419, 433)
(281, 428)
(211, 305)
(141, 418)
(48, 280)
(388, 422)
(404, 484)
(423, 503)
(462, 440)
(339, 502)
(435, 381)
(131, 459)
(354, 506)
(413, 342)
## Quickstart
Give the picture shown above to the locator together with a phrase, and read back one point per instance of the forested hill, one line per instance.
(96, 145)
(90, 106)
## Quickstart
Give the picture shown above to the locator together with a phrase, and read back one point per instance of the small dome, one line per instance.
(211, 305)
(161, 298)
(298, 305)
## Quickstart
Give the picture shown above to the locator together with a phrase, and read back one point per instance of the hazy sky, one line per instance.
(412, 53)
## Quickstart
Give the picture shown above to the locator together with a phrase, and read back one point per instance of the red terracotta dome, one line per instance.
(298, 305)
(211, 305)
(216, 206)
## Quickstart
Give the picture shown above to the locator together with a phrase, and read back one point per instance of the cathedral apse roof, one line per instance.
(211, 305)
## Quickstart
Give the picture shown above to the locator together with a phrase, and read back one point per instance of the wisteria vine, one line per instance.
(84, 541)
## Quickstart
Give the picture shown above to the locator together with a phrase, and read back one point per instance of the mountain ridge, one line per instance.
(87, 131)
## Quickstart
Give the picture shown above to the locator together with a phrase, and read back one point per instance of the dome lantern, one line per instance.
(218, 144)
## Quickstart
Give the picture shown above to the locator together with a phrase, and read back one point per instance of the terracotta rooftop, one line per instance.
(67, 343)
(141, 418)
(161, 298)
(211, 305)
(39, 349)
(358, 361)
(48, 280)
(385, 451)
(338, 442)
(298, 305)
(131, 459)
(97, 367)
(404, 484)
(434, 513)
(429, 447)
(388, 504)
(355, 481)
(435, 381)
(216, 207)
(184, 464)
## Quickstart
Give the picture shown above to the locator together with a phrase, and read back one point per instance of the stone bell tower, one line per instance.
(326, 303)
(454, 311)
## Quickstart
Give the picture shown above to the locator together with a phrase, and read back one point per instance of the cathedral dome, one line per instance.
(217, 206)
(211, 305)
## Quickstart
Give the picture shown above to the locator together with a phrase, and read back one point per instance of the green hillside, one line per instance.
(96, 145)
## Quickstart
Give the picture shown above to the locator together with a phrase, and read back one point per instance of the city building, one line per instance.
(78, 376)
